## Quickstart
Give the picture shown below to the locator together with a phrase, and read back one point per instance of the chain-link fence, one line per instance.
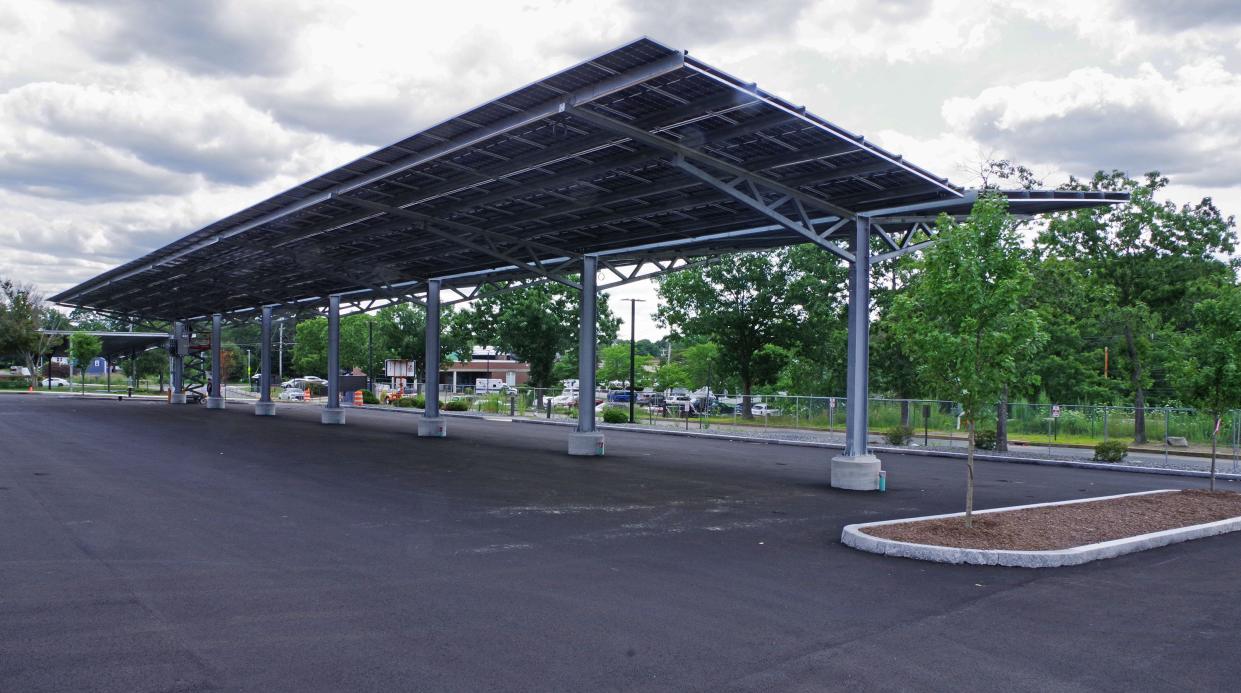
(927, 422)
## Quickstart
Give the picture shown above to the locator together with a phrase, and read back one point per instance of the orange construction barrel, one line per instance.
(357, 398)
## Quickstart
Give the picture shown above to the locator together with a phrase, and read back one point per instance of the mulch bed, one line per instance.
(1065, 526)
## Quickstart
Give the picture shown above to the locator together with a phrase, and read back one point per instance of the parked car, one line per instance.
(291, 394)
(55, 382)
(763, 409)
(304, 381)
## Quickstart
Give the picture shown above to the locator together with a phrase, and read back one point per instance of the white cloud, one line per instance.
(1187, 124)
(124, 125)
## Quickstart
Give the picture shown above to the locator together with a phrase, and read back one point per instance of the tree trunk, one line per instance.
(905, 413)
(1001, 422)
(31, 368)
(745, 400)
(1214, 438)
(1139, 394)
(969, 482)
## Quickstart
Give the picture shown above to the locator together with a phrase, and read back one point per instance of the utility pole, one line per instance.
(280, 358)
(370, 355)
(633, 312)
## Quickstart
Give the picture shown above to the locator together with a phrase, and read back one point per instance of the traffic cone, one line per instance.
(357, 398)
(307, 394)
(30, 389)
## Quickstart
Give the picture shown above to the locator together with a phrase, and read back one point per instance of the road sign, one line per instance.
(1055, 411)
(831, 402)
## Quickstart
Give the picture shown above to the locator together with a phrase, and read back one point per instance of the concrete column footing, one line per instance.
(177, 398)
(264, 408)
(332, 416)
(432, 427)
(856, 472)
(586, 444)
(215, 402)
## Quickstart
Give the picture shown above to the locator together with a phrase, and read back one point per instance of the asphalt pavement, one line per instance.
(153, 547)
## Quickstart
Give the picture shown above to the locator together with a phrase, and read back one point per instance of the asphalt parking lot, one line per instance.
(149, 547)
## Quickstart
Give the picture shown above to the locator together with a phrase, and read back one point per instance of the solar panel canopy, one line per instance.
(639, 154)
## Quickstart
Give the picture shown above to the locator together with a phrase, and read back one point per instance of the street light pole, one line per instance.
(370, 355)
(633, 312)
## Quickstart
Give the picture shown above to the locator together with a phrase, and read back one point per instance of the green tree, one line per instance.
(819, 291)
(539, 325)
(698, 362)
(1208, 374)
(310, 352)
(83, 347)
(741, 303)
(22, 313)
(963, 314)
(671, 375)
(401, 329)
(614, 365)
(1149, 254)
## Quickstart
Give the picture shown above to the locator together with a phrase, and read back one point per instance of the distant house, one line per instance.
(98, 366)
(484, 363)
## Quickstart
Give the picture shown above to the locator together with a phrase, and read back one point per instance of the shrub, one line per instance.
(405, 402)
(369, 397)
(456, 405)
(420, 402)
(984, 440)
(615, 415)
(899, 435)
(1111, 451)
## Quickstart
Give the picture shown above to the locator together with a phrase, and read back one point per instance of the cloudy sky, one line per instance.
(126, 124)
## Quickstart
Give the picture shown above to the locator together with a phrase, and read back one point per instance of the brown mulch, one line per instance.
(1065, 526)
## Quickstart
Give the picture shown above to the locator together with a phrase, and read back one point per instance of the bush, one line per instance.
(1111, 451)
(984, 440)
(456, 405)
(899, 435)
(420, 402)
(405, 402)
(369, 397)
(615, 415)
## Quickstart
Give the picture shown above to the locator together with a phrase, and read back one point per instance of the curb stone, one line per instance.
(854, 537)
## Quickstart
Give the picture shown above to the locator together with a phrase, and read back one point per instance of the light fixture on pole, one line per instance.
(633, 312)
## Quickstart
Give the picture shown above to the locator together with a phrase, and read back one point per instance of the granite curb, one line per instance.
(853, 536)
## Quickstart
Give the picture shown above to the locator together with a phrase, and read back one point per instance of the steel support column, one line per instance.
(176, 364)
(332, 413)
(431, 425)
(857, 469)
(215, 388)
(265, 407)
(586, 440)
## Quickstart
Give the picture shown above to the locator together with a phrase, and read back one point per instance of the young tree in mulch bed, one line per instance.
(963, 316)
(1209, 373)
(83, 348)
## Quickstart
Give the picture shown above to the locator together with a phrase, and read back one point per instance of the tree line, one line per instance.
(1120, 293)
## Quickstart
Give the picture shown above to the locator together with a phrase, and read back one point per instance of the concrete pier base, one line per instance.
(332, 416)
(432, 427)
(177, 398)
(856, 473)
(264, 408)
(215, 402)
(586, 444)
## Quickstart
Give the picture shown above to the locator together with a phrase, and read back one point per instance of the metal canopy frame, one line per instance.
(639, 146)
(638, 162)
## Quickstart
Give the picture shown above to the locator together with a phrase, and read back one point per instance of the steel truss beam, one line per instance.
(664, 144)
(754, 200)
(430, 223)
